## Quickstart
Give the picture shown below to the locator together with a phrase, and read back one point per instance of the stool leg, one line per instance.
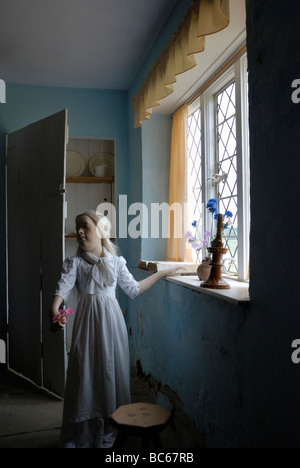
(145, 442)
(119, 440)
(156, 441)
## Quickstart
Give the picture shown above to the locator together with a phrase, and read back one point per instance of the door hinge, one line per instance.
(62, 189)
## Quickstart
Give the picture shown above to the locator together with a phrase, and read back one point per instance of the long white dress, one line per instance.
(98, 378)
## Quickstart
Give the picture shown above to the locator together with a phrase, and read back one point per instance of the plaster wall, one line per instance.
(156, 143)
(189, 343)
(148, 141)
(231, 367)
(270, 410)
(91, 113)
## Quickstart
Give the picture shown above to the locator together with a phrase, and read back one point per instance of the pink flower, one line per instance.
(61, 317)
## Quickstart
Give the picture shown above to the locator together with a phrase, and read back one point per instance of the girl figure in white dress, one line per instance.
(98, 379)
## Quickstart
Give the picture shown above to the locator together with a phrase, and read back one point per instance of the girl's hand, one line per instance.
(57, 326)
(54, 311)
(175, 271)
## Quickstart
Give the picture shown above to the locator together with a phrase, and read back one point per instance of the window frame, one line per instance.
(236, 72)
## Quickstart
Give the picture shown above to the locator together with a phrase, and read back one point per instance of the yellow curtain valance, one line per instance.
(204, 17)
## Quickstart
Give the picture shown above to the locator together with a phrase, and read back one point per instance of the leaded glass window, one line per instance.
(218, 165)
(226, 162)
(195, 169)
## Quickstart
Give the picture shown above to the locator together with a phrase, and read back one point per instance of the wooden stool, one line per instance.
(141, 420)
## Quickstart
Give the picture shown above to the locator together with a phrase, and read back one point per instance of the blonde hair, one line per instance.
(104, 226)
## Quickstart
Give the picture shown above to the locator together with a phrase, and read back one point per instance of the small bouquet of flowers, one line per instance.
(61, 317)
(199, 242)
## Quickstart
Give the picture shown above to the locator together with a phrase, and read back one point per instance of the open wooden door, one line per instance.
(35, 233)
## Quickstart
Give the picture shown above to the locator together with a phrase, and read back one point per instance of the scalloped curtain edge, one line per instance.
(203, 18)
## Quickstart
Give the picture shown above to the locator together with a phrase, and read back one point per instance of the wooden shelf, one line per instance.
(89, 180)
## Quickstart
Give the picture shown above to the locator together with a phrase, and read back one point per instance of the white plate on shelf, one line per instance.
(100, 159)
(75, 164)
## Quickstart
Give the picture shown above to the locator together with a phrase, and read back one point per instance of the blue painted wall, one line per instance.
(149, 153)
(156, 142)
(231, 367)
(91, 113)
(271, 382)
(144, 141)
(189, 342)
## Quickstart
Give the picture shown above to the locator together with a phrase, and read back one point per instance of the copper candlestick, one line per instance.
(215, 280)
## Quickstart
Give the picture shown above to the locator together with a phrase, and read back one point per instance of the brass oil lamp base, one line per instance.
(215, 280)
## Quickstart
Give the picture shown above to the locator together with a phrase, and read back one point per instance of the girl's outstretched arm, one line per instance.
(148, 282)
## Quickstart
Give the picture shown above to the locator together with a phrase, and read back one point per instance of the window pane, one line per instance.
(227, 163)
(194, 170)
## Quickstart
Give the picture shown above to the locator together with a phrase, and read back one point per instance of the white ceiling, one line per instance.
(100, 43)
(78, 43)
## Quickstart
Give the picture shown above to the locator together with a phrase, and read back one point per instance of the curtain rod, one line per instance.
(217, 74)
